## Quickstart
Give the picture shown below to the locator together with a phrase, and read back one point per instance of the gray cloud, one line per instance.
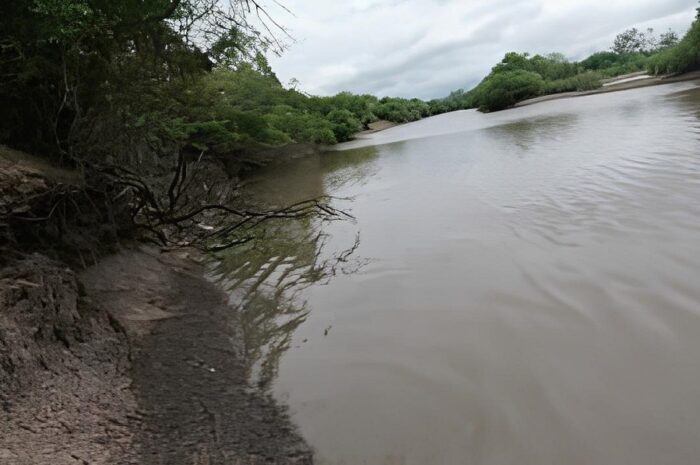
(427, 48)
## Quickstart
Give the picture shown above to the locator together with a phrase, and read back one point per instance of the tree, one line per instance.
(667, 40)
(629, 41)
(682, 57)
(344, 124)
(512, 61)
(649, 41)
(503, 90)
(66, 61)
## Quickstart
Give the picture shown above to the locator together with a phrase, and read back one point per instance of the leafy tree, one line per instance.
(79, 68)
(504, 89)
(629, 41)
(359, 105)
(345, 124)
(667, 40)
(649, 41)
(601, 60)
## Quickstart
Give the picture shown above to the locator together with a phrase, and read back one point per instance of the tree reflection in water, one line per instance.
(265, 279)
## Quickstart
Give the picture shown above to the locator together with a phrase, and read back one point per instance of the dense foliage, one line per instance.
(506, 88)
(682, 57)
(77, 73)
(124, 80)
(250, 105)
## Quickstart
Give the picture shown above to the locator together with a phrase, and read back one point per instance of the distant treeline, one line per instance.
(114, 79)
(519, 76)
(249, 103)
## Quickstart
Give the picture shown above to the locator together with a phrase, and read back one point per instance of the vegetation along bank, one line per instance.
(129, 123)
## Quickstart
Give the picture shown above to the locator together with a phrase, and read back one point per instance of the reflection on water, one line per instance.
(264, 284)
(266, 277)
(351, 170)
(528, 134)
(531, 297)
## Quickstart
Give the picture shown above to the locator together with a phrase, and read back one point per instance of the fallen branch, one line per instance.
(183, 214)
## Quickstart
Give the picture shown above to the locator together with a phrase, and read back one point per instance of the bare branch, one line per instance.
(191, 219)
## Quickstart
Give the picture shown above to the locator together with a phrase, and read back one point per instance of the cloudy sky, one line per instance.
(426, 48)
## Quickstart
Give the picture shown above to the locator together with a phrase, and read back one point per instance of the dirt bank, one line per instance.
(135, 360)
(64, 363)
(143, 365)
(64, 384)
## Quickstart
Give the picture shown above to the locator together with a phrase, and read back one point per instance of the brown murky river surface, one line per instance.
(518, 288)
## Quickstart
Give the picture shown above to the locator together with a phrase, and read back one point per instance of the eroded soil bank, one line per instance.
(135, 360)
(140, 363)
(64, 364)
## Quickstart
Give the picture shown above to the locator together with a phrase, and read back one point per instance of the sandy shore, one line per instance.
(631, 82)
(377, 126)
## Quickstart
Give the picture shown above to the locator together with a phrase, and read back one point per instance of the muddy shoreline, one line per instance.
(156, 376)
(188, 368)
(137, 359)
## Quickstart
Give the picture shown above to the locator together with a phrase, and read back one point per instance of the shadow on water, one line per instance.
(266, 277)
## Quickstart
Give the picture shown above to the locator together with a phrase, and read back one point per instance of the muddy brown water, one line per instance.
(524, 288)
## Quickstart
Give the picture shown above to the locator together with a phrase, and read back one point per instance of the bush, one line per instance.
(504, 89)
(344, 123)
(601, 60)
(610, 64)
(584, 81)
(399, 110)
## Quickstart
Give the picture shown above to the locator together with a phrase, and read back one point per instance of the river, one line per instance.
(521, 288)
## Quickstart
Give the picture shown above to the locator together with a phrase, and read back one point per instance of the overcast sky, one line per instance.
(426, 48)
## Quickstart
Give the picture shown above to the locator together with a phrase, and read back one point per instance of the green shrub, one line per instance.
(345, 124)
(400, 110)
(504, 89)
(585, 81)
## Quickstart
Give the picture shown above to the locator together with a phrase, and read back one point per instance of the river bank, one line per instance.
(140, 363)
(620, 83)
(616, 85)
(136, 359)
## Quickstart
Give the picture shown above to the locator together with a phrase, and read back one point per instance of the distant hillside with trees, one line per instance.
(520, 76)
